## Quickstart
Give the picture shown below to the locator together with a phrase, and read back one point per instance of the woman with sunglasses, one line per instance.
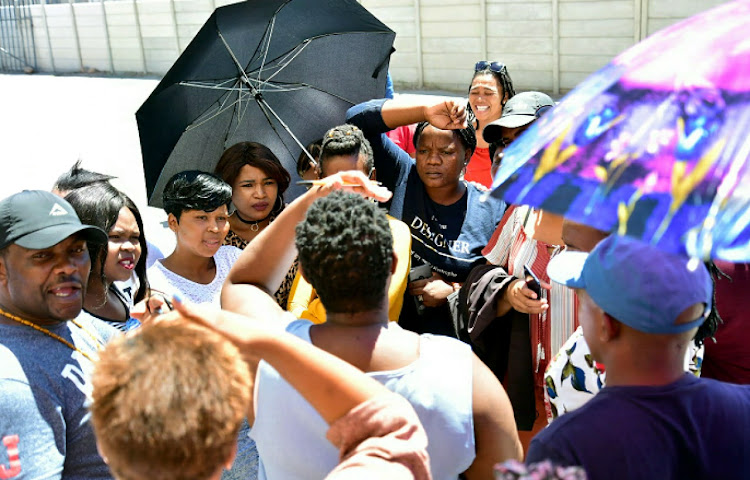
(490, 88)
(448, 221)
(531, 316)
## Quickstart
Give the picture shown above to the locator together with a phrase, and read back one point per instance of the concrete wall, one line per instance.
(548, 45)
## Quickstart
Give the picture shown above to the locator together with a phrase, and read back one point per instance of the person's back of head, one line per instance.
(78, 177)
(168, 402)
(346, 252)
(346, 141)
(195, 190)
(656, 296)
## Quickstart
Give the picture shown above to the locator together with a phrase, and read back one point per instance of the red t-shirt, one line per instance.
(479, 167)
(403, 137)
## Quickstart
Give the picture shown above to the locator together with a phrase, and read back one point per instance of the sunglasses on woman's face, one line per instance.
(496, 67)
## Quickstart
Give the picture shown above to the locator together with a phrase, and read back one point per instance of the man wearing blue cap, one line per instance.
(639, 308)
(46, 355)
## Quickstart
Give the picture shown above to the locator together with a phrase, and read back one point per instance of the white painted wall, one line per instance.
(548, 45)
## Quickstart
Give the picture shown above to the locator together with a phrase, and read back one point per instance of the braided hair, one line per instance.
(346, 140)
(503, 80)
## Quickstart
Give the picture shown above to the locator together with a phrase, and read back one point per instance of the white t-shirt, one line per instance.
(164, 280)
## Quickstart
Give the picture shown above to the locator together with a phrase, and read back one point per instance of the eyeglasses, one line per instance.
(496, 67)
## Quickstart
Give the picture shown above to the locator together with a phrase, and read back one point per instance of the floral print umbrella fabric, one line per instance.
(654, 145)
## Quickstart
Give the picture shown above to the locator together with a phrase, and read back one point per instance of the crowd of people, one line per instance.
(391, 322)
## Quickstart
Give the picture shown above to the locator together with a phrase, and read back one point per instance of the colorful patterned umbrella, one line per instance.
(655, 145)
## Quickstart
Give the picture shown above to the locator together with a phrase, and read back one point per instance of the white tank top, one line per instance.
(290, 434)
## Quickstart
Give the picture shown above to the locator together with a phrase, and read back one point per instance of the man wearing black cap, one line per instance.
(45, 354)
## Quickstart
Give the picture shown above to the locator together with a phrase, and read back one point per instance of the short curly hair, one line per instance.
(168, 401)
(346, 251)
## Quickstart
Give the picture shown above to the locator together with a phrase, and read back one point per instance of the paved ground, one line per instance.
(48, 122)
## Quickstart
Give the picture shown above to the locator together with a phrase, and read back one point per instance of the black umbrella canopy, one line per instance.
(275, 72)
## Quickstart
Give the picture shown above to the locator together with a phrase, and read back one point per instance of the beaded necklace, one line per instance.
(54, 335)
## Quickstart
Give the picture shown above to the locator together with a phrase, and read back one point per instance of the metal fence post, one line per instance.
(30, 30)
(140, 35)
(418, 30)
(556, 47)
(106, 37)
(4, 39)
(19, 34)
(46, 32)
(174, 24)
(75, 33)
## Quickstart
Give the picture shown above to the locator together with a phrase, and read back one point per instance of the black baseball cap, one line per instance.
(37, 219)
(522, 109)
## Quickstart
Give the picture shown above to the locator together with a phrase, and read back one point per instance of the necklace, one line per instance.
(253, 223)
(54, 335)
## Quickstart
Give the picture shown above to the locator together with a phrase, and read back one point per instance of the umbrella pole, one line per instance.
(262, 101)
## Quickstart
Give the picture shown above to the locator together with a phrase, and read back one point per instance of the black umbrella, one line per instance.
(278, 72)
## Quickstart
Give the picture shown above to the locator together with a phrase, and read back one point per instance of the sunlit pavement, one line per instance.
(48, 122)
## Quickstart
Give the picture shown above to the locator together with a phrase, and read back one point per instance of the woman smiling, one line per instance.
(490, 88)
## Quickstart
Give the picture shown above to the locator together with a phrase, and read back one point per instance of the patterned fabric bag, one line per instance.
(573, 377)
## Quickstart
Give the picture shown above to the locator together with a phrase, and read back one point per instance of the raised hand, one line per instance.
(449, 114)
(353, 181)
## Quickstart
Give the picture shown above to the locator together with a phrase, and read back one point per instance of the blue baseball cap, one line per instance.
(636, 283)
